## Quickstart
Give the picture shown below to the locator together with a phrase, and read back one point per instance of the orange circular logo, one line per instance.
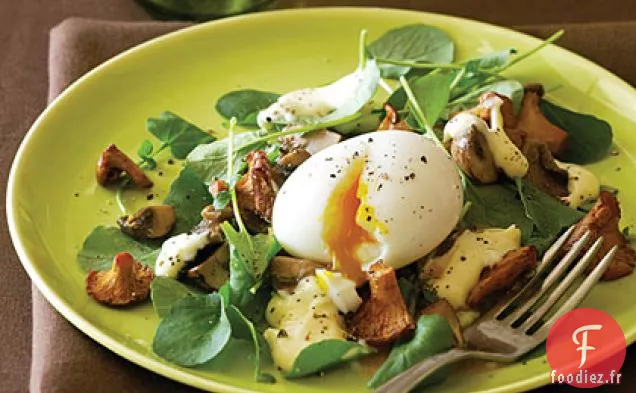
(586, 348)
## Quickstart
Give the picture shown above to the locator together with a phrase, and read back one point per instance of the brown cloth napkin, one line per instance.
(64, 360)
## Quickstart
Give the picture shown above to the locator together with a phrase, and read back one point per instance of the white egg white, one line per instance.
(340, 290)
(412, 191)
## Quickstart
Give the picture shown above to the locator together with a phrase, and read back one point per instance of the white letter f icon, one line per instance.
(584, 347)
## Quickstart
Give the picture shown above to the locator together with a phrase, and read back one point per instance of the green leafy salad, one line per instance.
(331, 225)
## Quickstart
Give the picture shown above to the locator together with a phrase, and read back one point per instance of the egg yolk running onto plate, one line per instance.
(342, 233)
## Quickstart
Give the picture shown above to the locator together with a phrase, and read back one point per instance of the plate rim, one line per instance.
(175, 372)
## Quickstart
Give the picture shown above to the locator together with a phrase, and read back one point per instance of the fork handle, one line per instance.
(404, 382)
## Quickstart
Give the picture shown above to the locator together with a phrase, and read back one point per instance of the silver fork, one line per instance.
(507, 333)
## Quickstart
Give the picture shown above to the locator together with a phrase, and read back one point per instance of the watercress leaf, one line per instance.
(474, 71)
(243, 328)
(541, 241)
(255, 251)
(265, 248)
(495, 206)
(590, 138)
(325, 354)
(145, 149)
(432, 92)
(433, 335)
(165, 292)
(417, 43)
(510, 88)
(329, 103)
(103, 243)
(407, 287)
(244, 105)
(429, 294)
(398, 99)
(150, 162)
(224, 292)
(548, 214)
(221, 200)
(265, 378)
(188, 195)
(368, 121)
(490, 60)
(410, 289)
(176, 132)
(249, 259)
(194, 331)
(238, 289)
(240, 324)
(240, 292)
(209, 161)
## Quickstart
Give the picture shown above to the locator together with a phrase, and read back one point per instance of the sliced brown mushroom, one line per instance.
(603, 220)
(126, 283)
(291, 142)
(217, 186)
(543, 171)
(473, 155)
(212, 273)
(507, 108)
(516, 135)
(320, 139)
(502, 276)
(382, 318)
(293, 159)
(392, 120)
(443, 307)
(149, 222)
(212, 219)
(288, 271)
(112, 163)
(256, 190)
(532, 121)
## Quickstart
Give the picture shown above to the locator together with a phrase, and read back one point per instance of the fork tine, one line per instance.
(548, 256)
(555, 295)
(551, 253)
(556, 272)
(577, 297)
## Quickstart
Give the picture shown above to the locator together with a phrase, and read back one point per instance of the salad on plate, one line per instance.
(373, 216)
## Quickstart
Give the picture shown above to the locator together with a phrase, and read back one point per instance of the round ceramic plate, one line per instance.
(53, 201)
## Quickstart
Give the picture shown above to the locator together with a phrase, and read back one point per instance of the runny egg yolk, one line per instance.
(342, 232)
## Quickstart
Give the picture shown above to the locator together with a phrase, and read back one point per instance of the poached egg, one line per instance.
(389, 195)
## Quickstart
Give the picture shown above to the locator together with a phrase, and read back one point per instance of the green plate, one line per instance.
(53, 201)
